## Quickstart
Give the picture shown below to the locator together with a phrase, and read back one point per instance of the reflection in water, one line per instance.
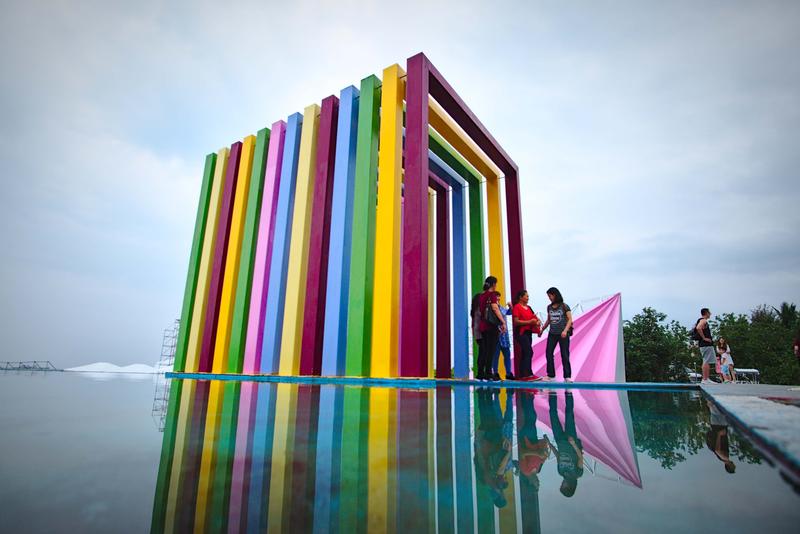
(242, 456)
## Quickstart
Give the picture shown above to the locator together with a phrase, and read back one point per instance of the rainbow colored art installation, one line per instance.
(302, 458)
(302, 265)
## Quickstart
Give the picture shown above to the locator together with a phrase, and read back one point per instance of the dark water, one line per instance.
(77, 454)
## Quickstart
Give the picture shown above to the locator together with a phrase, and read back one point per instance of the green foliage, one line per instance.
(655, 351)
(658, 350)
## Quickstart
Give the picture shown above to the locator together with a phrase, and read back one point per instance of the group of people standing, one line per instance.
(717, 354)
(491, 332)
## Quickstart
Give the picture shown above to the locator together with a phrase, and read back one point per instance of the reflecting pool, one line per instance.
(247, 456)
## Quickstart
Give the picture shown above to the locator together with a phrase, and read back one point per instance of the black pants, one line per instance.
(525, 341)
(563, 342)
(489, 341)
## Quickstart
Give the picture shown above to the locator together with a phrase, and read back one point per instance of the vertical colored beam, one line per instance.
(413, 489)
(334, 350)
(208, 446)
(362, 266)
(431, 288)
(444, 460)
(382, 405)
(460, 288)
(304, 461)
(443, 368)
(223, 461)
(298, 248)
(415, 221)
(167, 454)
(250, 227)
(313, 316)
(353, 492)
(242, 453)
(280, 494)
(328, 459)
(261, 459)
(385, 333)
(201, 299)
(516, 248)
(233, 258)
(276, 296)
(265, 239)
(190, 291)
(495, 226)
(206, 355)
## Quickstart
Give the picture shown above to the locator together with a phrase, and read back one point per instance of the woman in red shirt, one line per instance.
(525, 325)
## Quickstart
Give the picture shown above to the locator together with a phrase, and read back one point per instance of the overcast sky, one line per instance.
(658, 144)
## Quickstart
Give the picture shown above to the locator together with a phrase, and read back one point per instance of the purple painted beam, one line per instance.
(218, 263)
(445, 95)
(414, 275)
(266, 229)
(319, 241)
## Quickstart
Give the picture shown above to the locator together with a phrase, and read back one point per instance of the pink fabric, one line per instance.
(258, 293)
(602, 424)
(595, 346)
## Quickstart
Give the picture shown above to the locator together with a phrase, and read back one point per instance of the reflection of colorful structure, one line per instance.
(301, 264)
(329, 458)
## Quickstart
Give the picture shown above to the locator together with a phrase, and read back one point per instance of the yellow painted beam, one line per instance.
(280, 484)
(229, 283)
(458, 139)
(204, 273)
(382, 405)
(386, 300)
(205, 482)
(298, 249)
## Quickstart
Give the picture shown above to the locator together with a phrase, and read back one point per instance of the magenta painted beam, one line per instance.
(442, 278)
(446, 96)
(266, 229)
(414, 275)
(319, 241)
(218, 263)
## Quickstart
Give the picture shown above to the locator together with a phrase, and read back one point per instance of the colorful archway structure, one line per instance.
(316, 253)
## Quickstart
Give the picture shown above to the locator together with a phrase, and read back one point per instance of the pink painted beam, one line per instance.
(266, 229)
(414, 275)
(319, 241)
(218, 263)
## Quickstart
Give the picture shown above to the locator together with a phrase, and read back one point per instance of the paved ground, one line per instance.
(769, 414)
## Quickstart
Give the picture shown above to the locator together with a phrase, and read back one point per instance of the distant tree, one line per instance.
(655, 351)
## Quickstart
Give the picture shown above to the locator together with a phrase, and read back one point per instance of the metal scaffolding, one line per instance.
(35, 365)
(161, 397)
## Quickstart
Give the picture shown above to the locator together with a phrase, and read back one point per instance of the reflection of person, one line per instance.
(504, 346)
(717, 437)
(705, 343)
(568, 448)
(559, 318)
(493, 444)
(532, 451)
(525, 325)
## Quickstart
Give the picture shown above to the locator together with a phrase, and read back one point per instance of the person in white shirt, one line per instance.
(724, 351)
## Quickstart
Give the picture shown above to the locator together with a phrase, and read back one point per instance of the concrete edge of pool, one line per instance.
(748, 406)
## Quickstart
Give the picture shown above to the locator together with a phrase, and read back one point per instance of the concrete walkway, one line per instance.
(769, 415)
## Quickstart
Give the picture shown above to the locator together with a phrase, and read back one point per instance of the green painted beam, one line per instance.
(359, 315)
(194, 263)
(247, 258)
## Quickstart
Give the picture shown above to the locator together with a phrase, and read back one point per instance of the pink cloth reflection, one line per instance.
(602, 421)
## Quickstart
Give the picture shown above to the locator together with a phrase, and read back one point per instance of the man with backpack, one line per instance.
(702, 334)
(491, 325)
